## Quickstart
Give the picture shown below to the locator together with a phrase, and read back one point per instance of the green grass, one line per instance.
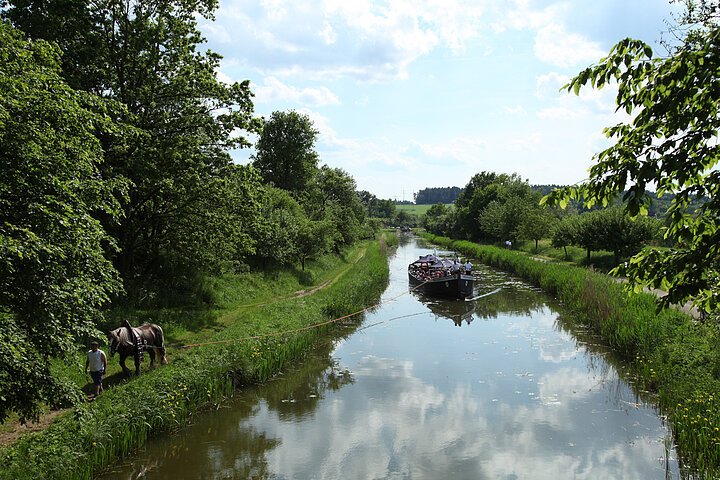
(82, 442)
(668, 351)
(414, 209)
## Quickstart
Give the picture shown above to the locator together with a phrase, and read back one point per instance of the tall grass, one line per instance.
(84, 441)
(670, 353)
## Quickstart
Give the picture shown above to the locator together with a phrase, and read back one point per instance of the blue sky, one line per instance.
(409, 94)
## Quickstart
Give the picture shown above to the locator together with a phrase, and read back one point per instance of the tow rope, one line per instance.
(255, 337)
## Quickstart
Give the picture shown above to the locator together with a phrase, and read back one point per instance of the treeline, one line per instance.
(117, 185)
(431, 196)
(447, 195)
(496, 208)
(657, 208)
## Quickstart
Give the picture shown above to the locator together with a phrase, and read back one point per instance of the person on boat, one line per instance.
(456, 266)
(468, 267)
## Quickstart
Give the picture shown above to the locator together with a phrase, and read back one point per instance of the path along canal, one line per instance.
(498, 387)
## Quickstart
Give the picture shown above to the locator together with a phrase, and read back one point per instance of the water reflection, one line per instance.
(518, 392)
(222, 444)
(457, 310)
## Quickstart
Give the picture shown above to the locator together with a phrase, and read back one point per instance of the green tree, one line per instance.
(146, 55)
(623, 235)
(54, 277)
(435, 219)
(285, 154)
(213, 238)
(535, 224)
(480, 211)
(565, 232)
(314, 238)
(404, 218)
(376, 207)
(502, 219)
(341, 204)
(277, 237)
(591, 231)
(671, 143)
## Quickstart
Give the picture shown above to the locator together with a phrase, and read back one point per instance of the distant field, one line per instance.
(415, 209)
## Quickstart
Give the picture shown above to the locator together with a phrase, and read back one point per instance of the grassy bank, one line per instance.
(671, 354)
(84, 441)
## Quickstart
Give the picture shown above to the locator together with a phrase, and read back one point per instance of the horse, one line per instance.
(149, 338)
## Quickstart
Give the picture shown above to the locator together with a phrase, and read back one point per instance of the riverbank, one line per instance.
(82, 442)
(671, 353)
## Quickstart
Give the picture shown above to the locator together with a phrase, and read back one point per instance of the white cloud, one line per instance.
(458, 150)
(516, 110)
(527, 143)
(274, 89)
(328, 34)
(365, 39)
(521, 15)
(554, 45)
(548, 85)
(328, 136)
(561, 113)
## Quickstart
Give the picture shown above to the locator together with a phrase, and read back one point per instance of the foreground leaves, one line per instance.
(53, 275)
(669, 144)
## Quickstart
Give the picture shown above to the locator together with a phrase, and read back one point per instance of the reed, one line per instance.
(82, 442)
(669, 353)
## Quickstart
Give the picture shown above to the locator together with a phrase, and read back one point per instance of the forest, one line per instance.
(433, 195)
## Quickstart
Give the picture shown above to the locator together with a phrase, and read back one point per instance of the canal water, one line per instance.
(497, 387)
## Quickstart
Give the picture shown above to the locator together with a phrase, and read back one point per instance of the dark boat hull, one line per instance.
(458, 285)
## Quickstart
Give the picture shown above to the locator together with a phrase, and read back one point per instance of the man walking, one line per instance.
(97, 361)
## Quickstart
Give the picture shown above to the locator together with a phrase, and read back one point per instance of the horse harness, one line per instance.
(138, 342)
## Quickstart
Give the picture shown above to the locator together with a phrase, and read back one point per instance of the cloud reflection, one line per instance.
(392, 424)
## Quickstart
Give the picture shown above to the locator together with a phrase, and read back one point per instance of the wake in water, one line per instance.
(483, 295)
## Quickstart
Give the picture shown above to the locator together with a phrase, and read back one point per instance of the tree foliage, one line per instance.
(491, 206)
(278, 233)
(535, 224)
(314, 237)
(563, 235)
(670, 143)
(53, 276)
(285, 152)
(610, 229)
(437, 220)
(145, 55)
(376, 207)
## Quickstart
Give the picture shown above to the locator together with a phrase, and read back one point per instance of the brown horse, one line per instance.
(146, 337)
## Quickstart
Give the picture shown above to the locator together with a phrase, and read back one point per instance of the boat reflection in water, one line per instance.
(458, 311)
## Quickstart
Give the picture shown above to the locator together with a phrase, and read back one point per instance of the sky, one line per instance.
(412, 94)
